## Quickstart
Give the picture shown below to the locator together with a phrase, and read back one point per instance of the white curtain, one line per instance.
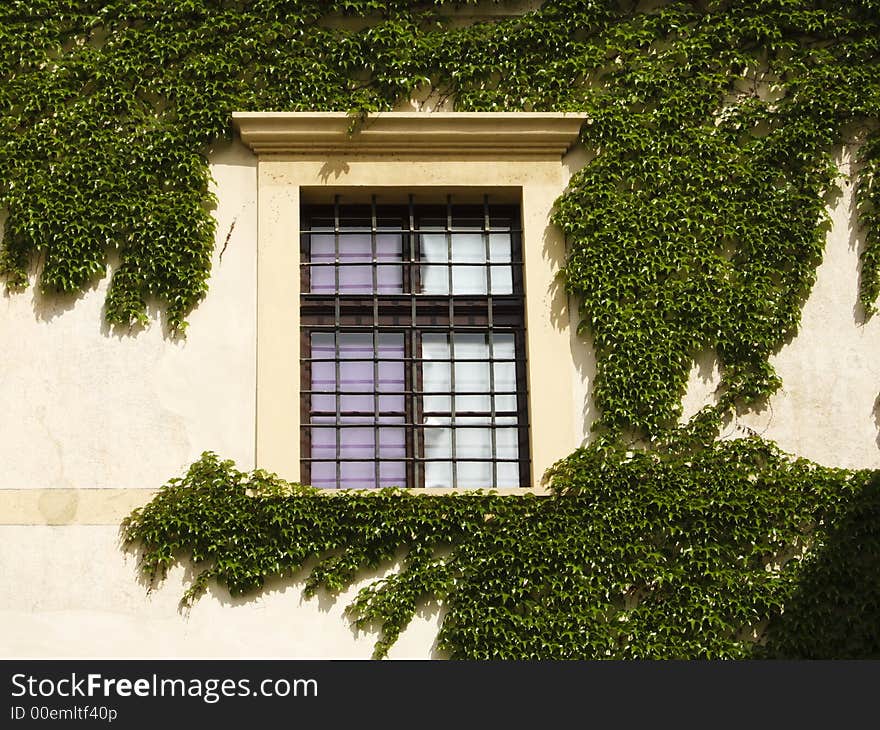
(467, 248)
(473, 409)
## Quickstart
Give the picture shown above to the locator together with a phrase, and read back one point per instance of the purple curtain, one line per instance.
(352, 384)
(356, 263)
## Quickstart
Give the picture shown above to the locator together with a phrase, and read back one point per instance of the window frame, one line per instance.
(515, 153)
(413, 313)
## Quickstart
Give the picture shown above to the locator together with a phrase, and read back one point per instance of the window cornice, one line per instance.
(501, 135)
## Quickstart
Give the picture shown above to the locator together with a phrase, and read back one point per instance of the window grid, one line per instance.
(411, 314)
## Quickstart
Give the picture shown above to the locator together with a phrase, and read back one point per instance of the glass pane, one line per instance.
(391, 404)
(390, 376)
(323, 443)
(470, 404)
(356, 442)
(438, 474)
(355, 345)
(505, 372)
(473, 443)
(392, 442)
(502, 281)
(468, 248)
(323, 345)
(323, 404)
(391, 373)
(389, 279)
(503, 346)
(392, 474)
(356, 404)
(499, 247)
(508, 474)
(322, 251)
(324, 474)
(391, 345)
(433, 404)
(355, 247)
(436, 376)
(438, 445)
(358, 474)
(324, 375)
(506, 446)
(435, 346)
(356, 279)
(438, 439)
(356, 375)
(472, 377)
(471, 346)
(434, 251)
(468, 279)
(505, 404)
(389, 247)
(505, 380)
(474, 475)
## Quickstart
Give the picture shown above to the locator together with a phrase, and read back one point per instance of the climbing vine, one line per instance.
(684, 554)
(714, 127)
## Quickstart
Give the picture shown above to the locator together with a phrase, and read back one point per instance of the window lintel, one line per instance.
(500, 135)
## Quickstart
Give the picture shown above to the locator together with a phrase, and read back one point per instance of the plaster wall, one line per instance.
(76, 595)
(84, 406)
(93, 420)
(827, 408)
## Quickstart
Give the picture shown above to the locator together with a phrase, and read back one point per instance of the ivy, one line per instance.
(684, 554)
(697, 225)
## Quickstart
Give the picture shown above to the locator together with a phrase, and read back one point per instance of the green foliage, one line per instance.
(697, 225)
(684, 554)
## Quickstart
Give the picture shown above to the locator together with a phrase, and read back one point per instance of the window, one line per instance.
(430, 283)
(412, 345)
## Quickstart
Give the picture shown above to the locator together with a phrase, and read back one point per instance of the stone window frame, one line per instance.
(514, 153)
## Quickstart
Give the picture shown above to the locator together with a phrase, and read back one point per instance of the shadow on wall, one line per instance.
(857, 239)
(583, 355)
(46, 306)
(49, 306)
(876, 413)
(565, 312)
(834, 612)
(857, 242)
(289, 588)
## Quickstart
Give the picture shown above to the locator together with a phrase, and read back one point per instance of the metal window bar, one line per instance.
(386, 316)
(375, 254)
(451, 335)
(492, 392)
(415, 440)
(337, 360)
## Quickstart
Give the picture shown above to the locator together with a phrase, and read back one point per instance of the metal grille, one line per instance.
(413, 341)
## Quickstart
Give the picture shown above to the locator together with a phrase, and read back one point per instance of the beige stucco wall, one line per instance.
(88, 409)
(830, 371)
(71, 592)
(85, 407)
(95, 420)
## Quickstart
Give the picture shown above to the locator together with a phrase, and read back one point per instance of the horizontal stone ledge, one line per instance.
(424, 134)
(70, 506)
(111, 506)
